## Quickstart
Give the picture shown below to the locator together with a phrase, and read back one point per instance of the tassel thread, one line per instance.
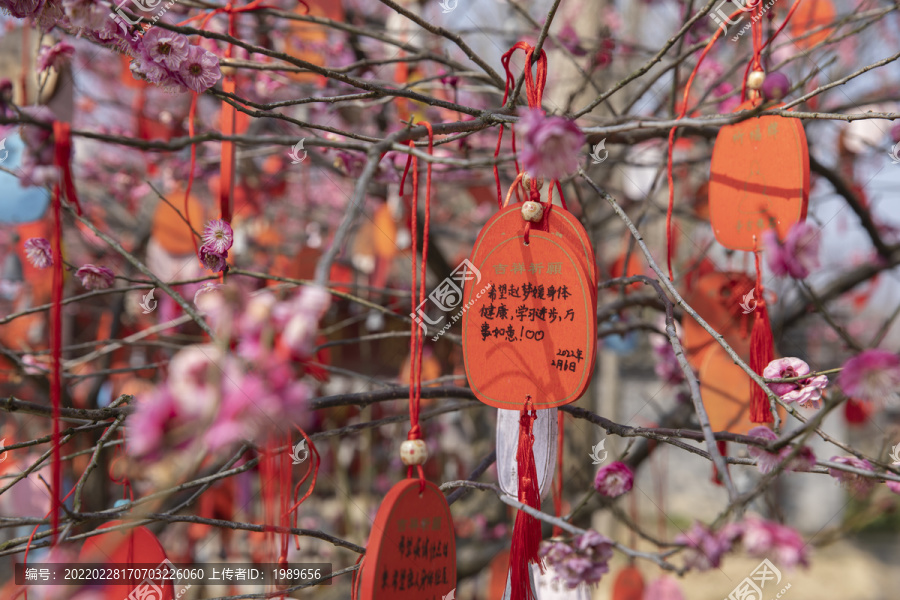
(762, 352)
(526, 536)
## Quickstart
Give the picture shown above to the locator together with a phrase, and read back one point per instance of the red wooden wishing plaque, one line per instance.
(562, 224)
(136, 546)
(411, 554)
(531, 330)
(629, 584)
(723, 300)
(759, 179)
(725, 389)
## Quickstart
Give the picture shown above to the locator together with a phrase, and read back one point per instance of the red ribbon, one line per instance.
(526, 537)
(62, 154)
(416, 340)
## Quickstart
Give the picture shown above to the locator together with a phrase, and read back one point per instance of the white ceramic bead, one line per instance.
(413, 452)
(755, 79)
(532, 211)
(527, 179)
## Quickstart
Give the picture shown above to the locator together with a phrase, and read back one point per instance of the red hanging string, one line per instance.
(192, 114)
(671, 143)
(787, 19)
(762, 350)
(314, 471)
(227, 125)
(534, 93)
(526, 537)
(416, 340)
(62, 140)
(723, 450)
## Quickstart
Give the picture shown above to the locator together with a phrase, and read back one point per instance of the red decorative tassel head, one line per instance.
(762, 352)
(527, 530)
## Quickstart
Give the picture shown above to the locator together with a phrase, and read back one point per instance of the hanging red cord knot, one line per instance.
(415, 432)
(762, 351)
(526, 536)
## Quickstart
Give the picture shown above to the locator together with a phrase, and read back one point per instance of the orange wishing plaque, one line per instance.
(759, 179)
(411, 554)
(562, 224)
(531, 328)
(725, 301)
(725, 389)
(137, 546)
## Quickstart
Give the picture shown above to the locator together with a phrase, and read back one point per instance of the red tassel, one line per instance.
(723, 450)
(527, 530)
(762, 352)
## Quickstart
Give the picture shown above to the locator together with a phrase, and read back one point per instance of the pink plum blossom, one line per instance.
(200, 69)
(805, 392)
(95, 278)
(153, 416)
(705, 546)
(212, 260)
(308, 308)
(798, 256)
(614, 479)
(218, 236)
(54, 56)
(551, 146)
(871, 376)
(207, 287)
(769, 539)
(585, 561)
(664, 588)
(166, 48)
(894, 486)
(766, 461)
(38, 252)
(853, 482)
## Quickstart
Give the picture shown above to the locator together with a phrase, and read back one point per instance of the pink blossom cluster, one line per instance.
(167, 59)
(855, 483)
(766, 462)
(585, 561)
(798, 255)
(872, 376)
(38, 252)
(551, 146)
(806, 392)
(245, 391)
(95, 278)
(217, 240)
(614, 479)
(706, 548)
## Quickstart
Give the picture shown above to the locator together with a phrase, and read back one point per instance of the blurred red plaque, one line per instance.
(411, 554)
